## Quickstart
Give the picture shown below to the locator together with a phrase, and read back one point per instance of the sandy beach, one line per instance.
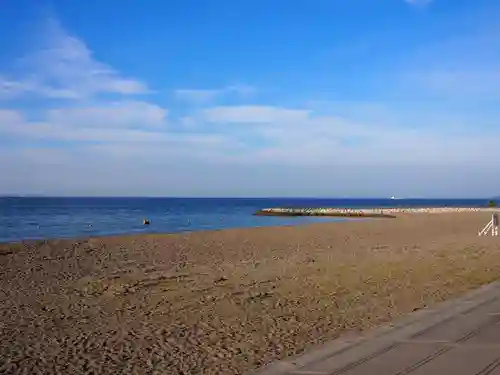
(227, 302)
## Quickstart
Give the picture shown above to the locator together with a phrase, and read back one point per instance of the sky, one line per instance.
(316, 98)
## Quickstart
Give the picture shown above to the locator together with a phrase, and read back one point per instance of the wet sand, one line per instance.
(226, 302)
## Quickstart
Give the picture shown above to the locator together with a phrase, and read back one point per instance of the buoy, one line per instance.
(145, 222)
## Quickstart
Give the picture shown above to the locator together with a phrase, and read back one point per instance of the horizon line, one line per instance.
(229, 197)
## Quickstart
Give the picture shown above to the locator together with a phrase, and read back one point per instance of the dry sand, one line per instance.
(226, 302)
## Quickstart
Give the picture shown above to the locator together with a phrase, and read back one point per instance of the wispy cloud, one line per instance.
(254, 114)
(74, 144)
(118, 114)
(127, 121)
(201, 96)
(447, 69)
(62, 66)
(11, 117)
(418, 2)
(196, 95)
(282, 136)
(464, 83)
(291, 140)
(301, 137)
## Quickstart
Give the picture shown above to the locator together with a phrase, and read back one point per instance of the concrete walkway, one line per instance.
(459, 337)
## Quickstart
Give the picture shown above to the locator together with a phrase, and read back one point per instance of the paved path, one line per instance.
(459, 337)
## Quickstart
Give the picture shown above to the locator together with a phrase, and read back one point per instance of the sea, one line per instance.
(30, 218)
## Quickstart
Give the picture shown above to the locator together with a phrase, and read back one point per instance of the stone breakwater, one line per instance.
(367, 212)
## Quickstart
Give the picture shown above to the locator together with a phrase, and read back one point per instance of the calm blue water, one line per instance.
(42, 218)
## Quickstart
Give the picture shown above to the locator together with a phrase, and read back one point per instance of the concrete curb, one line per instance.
(348, 350)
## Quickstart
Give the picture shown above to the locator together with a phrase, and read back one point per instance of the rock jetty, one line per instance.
(365, 212)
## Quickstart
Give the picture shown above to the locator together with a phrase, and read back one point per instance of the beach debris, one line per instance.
(6, 252)
(259, 296)
(146, 222)
(221, 279)
(310, 260)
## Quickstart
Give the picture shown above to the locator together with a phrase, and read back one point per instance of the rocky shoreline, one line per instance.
(388, 212)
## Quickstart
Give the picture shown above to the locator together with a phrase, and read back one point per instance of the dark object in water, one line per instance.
(146, 222)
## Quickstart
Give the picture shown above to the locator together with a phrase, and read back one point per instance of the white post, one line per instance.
(492, 224)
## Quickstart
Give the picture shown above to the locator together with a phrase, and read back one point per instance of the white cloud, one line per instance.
(45, 131)
(62, 66)
(113, 115)
(254, 114)
(10, 117)
(150, 151)
(298, 137)
(11, 88)
(128, 125)
(136, 136)
(290, 142)
(454, 83)
(188, 122)
(129, 138)
(278, 136)
(200, 96)
(196, 95)
(241, 89)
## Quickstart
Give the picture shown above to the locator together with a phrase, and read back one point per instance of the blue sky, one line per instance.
(358, 98)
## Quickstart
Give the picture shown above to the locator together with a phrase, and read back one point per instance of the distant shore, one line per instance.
(389, 212)
(229, 301)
